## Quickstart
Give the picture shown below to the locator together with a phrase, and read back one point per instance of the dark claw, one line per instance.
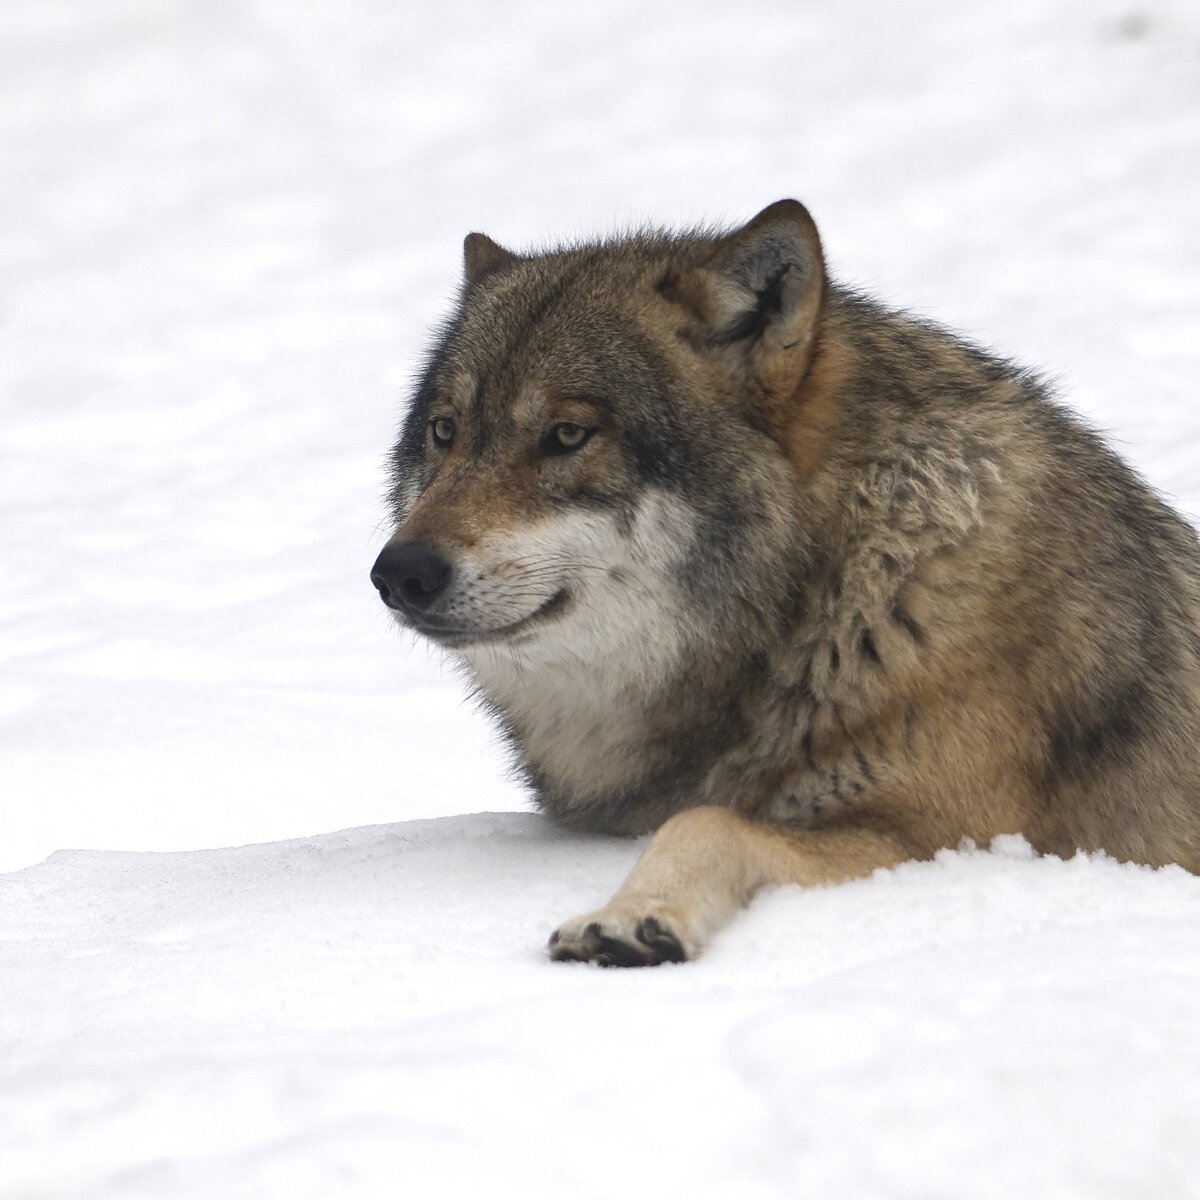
(662, 942)
(615, 953)
(654, 945)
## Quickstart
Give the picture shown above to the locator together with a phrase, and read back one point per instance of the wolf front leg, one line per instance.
(699, 869)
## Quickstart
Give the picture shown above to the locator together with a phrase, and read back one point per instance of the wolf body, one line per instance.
(808, 586)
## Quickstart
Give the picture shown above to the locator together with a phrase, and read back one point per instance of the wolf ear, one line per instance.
(482, 257)
(762, 290)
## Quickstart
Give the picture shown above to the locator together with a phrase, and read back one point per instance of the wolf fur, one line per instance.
(808, 586)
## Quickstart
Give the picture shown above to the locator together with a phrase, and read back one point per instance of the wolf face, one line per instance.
(580, 474)
(527, 504)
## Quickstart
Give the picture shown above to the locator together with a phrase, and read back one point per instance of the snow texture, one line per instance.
(225, 230)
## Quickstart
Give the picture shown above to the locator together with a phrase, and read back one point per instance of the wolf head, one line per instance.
(598, 460)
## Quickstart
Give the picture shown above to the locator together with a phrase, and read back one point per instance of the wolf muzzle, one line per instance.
(410, 576)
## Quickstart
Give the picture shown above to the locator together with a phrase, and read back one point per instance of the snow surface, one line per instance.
(369, 1013)
(224, 229)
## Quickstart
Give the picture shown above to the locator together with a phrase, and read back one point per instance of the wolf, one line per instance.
(806, 586)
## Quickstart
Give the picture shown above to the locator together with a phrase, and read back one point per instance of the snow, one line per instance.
(370, 1013)
(225, 230)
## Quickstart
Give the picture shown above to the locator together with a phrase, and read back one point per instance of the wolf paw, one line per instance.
(615, 937)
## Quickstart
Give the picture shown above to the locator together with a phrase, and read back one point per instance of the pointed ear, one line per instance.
(482, 257)
(761, 291)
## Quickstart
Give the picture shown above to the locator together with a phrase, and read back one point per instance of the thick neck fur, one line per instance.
(609, 740)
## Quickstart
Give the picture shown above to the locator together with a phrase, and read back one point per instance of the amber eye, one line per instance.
(564, 438)
(442, 429)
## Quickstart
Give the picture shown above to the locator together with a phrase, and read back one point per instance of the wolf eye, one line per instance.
(442, 429)
(565, 437)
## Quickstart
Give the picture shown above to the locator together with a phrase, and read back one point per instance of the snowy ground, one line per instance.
(224, 230)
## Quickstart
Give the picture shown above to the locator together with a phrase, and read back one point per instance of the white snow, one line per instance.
(224, 231)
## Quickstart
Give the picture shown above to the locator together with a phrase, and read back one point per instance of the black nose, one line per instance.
(410, 576)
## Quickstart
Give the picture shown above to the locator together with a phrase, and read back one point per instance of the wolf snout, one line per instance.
(410, 576)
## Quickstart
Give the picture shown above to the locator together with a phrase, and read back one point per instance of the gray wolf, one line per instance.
(806, 586)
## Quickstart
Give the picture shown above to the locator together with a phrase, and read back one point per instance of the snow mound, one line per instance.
(371, 1013)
